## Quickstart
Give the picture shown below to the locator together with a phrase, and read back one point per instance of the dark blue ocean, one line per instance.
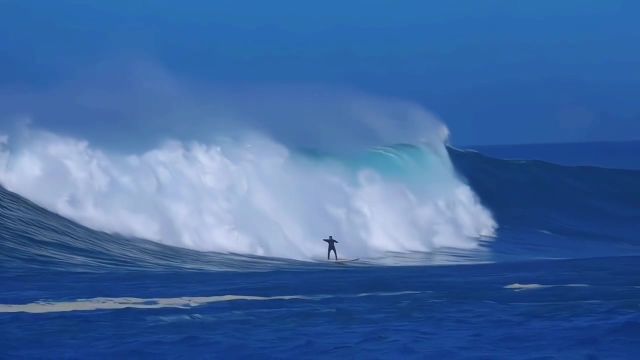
(559, 280)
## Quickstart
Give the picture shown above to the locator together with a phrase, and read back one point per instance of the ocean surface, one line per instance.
(484, 253)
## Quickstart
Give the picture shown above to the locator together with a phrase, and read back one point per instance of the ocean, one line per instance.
(484, 253)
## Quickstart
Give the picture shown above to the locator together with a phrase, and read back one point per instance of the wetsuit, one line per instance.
(331, 241)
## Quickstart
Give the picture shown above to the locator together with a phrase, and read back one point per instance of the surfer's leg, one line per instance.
(329, 254)
(336, 254)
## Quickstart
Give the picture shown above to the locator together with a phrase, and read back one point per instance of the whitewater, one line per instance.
(252, 195)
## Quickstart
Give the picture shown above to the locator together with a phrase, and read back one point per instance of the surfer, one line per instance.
(331, 241)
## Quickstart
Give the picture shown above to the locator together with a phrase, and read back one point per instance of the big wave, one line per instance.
(252, 195)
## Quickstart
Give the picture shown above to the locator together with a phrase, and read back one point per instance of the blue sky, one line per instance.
(494, 71)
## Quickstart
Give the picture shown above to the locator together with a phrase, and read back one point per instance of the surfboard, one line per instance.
(342, 261)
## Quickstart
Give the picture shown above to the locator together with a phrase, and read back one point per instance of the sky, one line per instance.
(496, 72)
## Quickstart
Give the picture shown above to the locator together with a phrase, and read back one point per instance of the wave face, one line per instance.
(526, 194)
(549, 210)
(253, 196)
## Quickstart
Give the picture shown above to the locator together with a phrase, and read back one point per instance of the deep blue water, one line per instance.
(560, 280)
(621, 155)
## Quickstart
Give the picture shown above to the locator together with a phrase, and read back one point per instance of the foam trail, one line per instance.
(185, 302)
(521, 287)
(251, 196)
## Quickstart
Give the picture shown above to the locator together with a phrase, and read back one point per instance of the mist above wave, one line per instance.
(134, 105)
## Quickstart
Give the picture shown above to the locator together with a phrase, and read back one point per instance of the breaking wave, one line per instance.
(252, 195)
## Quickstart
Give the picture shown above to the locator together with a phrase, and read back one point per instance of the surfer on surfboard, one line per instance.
(331, 241)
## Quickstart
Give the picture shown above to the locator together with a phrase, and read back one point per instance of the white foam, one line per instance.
(521, 287)
(117, 303)
(251, 196)
(130, 302)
